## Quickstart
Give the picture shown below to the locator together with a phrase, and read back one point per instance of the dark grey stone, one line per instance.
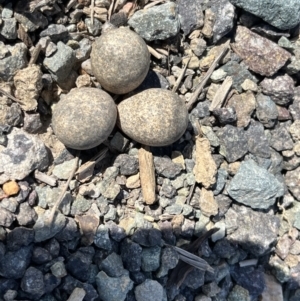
(233, 143)
(202, 109)
(79, 263)
(41, 255)
(116, 233)
(254, 186)
(69, 232)
(13, 115)
(14, 60)
(26, 215)
(225, 115)
(147, 237)
(249, 278)
(112, 265)
(131, 254)
(167, 189)
(221, 178)
(174, 209)
(113, 289)
(169, 260)
(281, 139)
(80, 205)
(258, 143)
(50, 283)
(224, 249)
(32, 123)
(256, 231)
(165, 167)
(194, 279)
(33, 283)
(190, 15)
(211, 289)
(292, 182)
(6, 217)
(56, 32)
(128, 165)
(14, 264)
(95, 28)
(153, 80)
(149, 290)
(19, 237)
(31, 20)
(280, 89)
(238, 73)
(23, 154)
(156, 23)
(61, 63)
(151, 259)
(84, 50)
(53, 247)
(279, 13)
(101, 239)
(266, 110)
(225, 15)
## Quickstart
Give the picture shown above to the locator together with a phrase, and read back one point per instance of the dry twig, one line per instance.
(154, 53)
(179, 79)
(11, 97)
(92, 11)
(197, 92)
(221, 94)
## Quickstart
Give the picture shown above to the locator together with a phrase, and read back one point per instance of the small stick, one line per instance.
(162, 51)
(92, 11)
(221, 94)
(35, 54)
(188, 199)
(11, 97)
(154, 53)
(147, 175)
(110, 10)
(62, 194)
(179, 79)
(45, 178)
(248, 262)
(197, 92)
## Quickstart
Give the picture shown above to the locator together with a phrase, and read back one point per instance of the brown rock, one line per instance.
(177, 222)
(88, 225)
(11, 188)
(273, 289)
(244, 105)
(259, 54)
(133, 181)
(84, 118)
(120, 60)
(154, 117)
(207, 203)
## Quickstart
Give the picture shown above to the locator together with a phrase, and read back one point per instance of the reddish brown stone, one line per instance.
(259, 54)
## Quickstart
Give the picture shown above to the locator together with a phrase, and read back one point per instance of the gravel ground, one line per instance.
(211, 166)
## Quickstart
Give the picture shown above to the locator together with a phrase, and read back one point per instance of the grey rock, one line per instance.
(56, 32)
(249, 278)
(31, 20)
(221, 177)
(223, 203)
(174, 209)
(119, 142)
(116, 233)
(202, 109)
(112, 265)
(11, 115)
(220, 233)
(295, 106)
(95, 28)
(147, 237)
(225, 115)
(80, 205)
(258, 143)
(24, 153)
(43, 230)
(101, 239)
(211, 289)
(62, 171)
(58, 269)
(238, 73)
(156, 23)
(233, 143)
(32, 123)
(256, 231)
(292, 182)
(224, 249)
(148, 291)
(69, 232)
(151, 259)
(254, 186)
(167, 189)
(84, 50)
(169, 260)
(194, 279)
(190, 15)
(128, 165)
(9, 28)
(14, 264)
(131, 254)
(112, 211)
(281, 139)
(225, 14)
(198, 46)
(19, 237)
(14, 60)
(266, 110)
(280, 89)
(7, 11)
(113, 289)
(281, 14)
(280, 269)
(6, 217)
(153, 79)
(187, 228)
(61, 63)
(239, 293)
(290, 162)
(164, 166)
(9, 204)
(41, 255)
(33, 283)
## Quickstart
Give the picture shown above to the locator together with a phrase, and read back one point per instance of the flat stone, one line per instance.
(149, 290)
(156, 23)
(62, 171)
(292, 181)
(254, 186)
(281, 139)
(164, 166)
(112, 265)
(264, 57)
(14, 60)
(281, 14)
(266, 110)
(256, 231)
(280, 89)
(56, 32)
(113, 289)
(9, 28)
(151, 114)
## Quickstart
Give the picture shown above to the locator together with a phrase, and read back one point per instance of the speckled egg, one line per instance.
(154, 117)
(84, 118)
(120, 60)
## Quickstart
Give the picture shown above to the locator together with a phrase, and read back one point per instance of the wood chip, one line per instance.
(179, 79)
(51, 181)
(154, 53)
(147, 175)
(221, 94)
